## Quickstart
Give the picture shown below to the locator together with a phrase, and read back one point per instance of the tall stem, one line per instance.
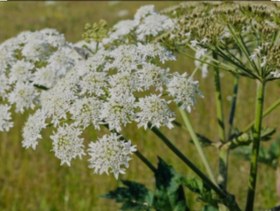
(256, 146)
(223, 151)
(197, 144)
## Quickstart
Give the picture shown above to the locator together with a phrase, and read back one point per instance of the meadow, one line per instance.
(34, 180)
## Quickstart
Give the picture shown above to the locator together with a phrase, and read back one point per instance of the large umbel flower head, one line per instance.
(110, 84)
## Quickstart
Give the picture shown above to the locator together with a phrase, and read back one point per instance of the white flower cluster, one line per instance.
(32, 130)
(275, 74)
(5, 118)
(146, 23)
(184, 90)
(201, 59)
(30, 61)
(154, 110)
(109, 154)
(67, 144)
(115, 85)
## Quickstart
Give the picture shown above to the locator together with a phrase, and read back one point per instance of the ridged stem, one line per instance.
(256, 145)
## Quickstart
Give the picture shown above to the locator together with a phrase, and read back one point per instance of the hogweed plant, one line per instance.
(117, 76)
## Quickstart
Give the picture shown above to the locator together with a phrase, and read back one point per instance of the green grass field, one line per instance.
(34, 180)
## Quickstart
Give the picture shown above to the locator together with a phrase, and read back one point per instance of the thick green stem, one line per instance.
(198, 145)
(223, 151)
(256, 146)
(227, 199)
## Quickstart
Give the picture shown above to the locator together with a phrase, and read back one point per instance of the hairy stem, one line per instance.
(256, 146)
(197, 145)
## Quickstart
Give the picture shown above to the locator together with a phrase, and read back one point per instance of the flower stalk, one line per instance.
(197, 145)
(223, 151)
(233, 106)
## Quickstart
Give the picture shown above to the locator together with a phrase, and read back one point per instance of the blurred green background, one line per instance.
(34, 180)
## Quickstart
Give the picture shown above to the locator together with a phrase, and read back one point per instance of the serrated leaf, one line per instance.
(204, 194)
(134, 196)
(169, 194)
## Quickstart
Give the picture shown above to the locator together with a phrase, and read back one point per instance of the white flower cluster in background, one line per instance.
(201, 55)
(146, 23)
(29, 61)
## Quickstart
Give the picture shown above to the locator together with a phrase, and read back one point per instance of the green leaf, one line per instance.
(204, 194)
(134, 196)
(210, 208)
(169, 194)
